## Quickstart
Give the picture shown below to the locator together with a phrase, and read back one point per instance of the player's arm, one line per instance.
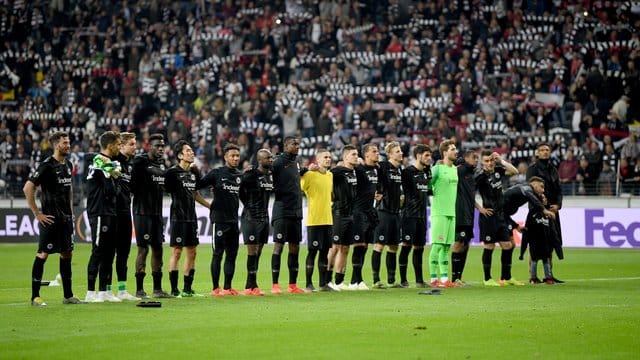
(510, 170)
(202, 201)
(482, 210)
(29, 190)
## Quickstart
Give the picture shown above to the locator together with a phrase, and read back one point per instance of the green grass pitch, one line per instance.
(595, 315)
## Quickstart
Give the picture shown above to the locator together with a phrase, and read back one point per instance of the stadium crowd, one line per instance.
(494, 75)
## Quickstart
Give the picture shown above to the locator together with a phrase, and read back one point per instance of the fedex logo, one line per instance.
(614, 233)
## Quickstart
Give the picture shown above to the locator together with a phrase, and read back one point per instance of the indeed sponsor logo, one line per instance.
(66, 180)
(614, 233)
(231, 188)
(157, 179)
(189, 185)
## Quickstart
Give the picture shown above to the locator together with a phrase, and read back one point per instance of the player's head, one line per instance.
(110, 143)
(471, 158)
(60, 142)
(488, 160)
(393, 151)
(291, 145)
(323, 158)
(371, 154)
(264, 158)
(350, 156)
(128, 146)
(543, 151)
(448, 151)
(157, 146)
(184, 152)
(422, 154)
(232, 155)
(537, 184)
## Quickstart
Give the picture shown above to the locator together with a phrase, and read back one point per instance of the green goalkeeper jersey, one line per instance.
(445, 188)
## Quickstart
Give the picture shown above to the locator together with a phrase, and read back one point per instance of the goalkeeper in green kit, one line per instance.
(443, 214)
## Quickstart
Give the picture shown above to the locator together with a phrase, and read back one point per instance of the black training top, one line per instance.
(345, 190)
(182, 184)
(54, 179)
(286, 186)
(367, 185)
(255, 190)
(390, 186)
(415, 184)
(124, 196)
(466, 198)
(490, 188)
(147, 185)
(518, 195)
(225, 185)
(102, 192)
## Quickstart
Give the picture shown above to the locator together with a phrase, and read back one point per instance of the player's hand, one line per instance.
(520, 228)
(45, 219)
(377, 196)
(313, 167)
(360, 161)
(554, 208)
(486, 212)
(549, 214)
(402, 200)
(194, 168)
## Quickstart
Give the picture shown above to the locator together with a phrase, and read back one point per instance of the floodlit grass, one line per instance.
(595, 315)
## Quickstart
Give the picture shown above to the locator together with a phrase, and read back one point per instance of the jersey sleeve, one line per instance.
(40, 174)
(208, 180)
(170, 180)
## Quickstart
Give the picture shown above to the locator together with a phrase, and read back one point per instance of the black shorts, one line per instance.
(388, 230)
(183, 234)
(255, 232)
(319, 237)
(414, 231)
(363, 228)
(464, 234)
(343, 230)
(104, 230)
(494, 229)
(287, 230)
(57, 237)
(149, 230)
(125, 229)
(226, 236)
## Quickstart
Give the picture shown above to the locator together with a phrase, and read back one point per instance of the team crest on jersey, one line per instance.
(49, 246)
(147, 236)
(105, 228)
(407, 237)
(130, 168)
(238, 180)
(336, 237)
(463, 234)
(251, 237)
(279, 236)
(219, 233)
(381, 237)
(315, 243)
(162, 167)
(497, 175)
(178, 239)
(193, 177)
(356, 237)
(488, 238)
(510, 227)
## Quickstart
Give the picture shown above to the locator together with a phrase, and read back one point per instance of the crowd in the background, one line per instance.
(501, 75)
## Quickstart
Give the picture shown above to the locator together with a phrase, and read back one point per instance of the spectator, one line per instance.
(567, 171)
